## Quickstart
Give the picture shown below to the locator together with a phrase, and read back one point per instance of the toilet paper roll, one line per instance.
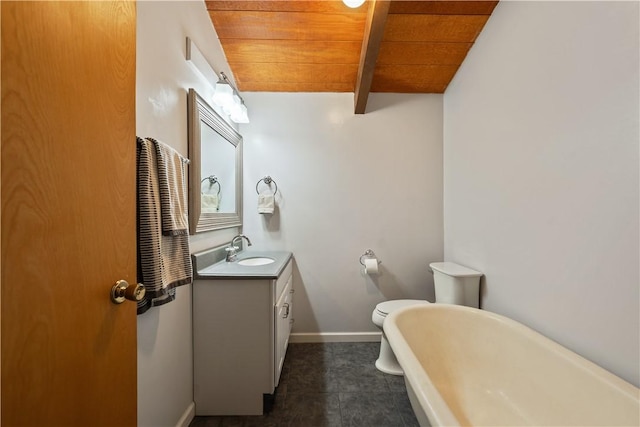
(371, 266)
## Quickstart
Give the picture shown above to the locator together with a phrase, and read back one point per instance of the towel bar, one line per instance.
(267, 180)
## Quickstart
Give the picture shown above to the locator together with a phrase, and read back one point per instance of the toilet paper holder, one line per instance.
(369, 254)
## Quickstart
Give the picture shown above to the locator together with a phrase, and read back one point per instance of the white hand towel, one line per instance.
(266, 203)
(210, 203)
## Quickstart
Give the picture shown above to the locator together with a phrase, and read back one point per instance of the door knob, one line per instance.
(123, 290)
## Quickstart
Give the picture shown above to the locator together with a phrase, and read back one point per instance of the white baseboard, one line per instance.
(188, 416)
(335, 337)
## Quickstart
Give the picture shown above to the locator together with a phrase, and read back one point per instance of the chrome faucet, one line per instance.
(232, 250)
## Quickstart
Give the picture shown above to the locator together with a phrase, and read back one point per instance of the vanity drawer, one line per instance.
(281, 282)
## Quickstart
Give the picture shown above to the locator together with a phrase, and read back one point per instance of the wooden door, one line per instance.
(68, 213)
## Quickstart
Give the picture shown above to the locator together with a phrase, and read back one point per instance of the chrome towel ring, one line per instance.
(267, 180)
(212, 180)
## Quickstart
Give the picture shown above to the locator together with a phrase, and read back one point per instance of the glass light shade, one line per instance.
(234, 108)
(353, 3)
(241, 115)
(223, 95)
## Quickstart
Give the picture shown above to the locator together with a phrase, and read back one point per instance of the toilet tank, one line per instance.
(456, 284)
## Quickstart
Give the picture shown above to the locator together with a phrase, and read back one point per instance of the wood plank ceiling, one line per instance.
(324, 46)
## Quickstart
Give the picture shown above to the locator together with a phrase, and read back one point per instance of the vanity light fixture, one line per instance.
(225, 94)
(228, 98)
(353, 3)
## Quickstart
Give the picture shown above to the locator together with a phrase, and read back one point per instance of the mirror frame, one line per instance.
(199, 111)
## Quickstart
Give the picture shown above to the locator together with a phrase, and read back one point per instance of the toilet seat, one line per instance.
(386, 307)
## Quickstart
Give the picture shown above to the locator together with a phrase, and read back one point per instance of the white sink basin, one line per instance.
(255, 261)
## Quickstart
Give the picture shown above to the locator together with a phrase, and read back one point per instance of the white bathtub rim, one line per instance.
(592, 368)
(436, 409)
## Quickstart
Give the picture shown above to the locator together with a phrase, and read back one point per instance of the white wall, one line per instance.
(347, 183)
(541, 184)
(165, 367)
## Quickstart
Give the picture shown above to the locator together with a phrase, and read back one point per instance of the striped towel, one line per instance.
(173, 189)
(164, 260)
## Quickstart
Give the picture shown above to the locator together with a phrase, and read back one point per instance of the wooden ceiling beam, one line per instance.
(373, 33)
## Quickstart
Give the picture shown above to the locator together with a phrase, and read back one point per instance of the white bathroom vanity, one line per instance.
(242, 318)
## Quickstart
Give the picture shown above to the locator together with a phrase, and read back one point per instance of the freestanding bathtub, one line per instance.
(465, 366)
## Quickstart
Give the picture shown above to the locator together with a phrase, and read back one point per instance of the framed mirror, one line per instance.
(215, 171)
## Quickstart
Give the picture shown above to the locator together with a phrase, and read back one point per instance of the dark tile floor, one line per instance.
(331, 385)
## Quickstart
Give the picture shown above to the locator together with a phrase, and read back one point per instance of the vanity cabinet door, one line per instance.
(283, 323)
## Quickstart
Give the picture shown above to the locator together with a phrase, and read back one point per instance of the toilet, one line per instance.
(387, 361)
(454, 284)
